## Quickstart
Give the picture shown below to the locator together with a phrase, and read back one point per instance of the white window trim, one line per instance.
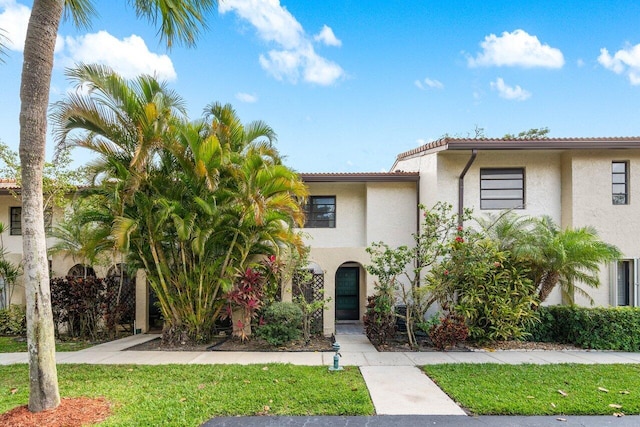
(634, 300)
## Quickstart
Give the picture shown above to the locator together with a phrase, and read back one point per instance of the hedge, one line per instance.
(616, 328)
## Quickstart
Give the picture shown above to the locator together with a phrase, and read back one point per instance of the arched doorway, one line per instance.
(348, 292)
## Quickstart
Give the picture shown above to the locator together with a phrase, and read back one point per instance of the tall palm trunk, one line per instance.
(549, 281)
(34, 98)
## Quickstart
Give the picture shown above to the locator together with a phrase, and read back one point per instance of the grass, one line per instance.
(18, 345)
(188, 395)
(491, 389)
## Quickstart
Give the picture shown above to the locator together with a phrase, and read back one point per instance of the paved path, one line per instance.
(396, 385)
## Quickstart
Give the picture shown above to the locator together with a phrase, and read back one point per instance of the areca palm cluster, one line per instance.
(193, 203)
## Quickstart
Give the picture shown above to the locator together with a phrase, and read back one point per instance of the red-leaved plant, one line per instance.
(244, 301)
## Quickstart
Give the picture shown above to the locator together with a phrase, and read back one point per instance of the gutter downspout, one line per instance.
(474, 153)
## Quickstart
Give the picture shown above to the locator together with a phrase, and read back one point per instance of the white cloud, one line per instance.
(327, 37)
(508, 92)
(246, 97)
(625, 61)
(428, 83)
(14, 20)
(294, 57)
(516, 49)
(434, 84)
(129, 57)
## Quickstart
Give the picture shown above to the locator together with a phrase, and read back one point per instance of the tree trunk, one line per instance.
(549, 281)
(34, 101)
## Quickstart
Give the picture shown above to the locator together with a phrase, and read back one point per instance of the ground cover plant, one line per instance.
(179, 395)
(568, 389)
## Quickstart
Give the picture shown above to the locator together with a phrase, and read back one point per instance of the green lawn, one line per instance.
(188, 395)
(541, 389)
(17, 344)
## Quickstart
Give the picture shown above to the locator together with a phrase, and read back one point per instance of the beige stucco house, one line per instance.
(576, 181)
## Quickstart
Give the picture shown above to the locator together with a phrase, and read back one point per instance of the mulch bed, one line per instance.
(77, 411)
(317, 343)
(399, 343)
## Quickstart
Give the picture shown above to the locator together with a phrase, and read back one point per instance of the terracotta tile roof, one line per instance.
(629, 142)
(360, 176)
(8, 184)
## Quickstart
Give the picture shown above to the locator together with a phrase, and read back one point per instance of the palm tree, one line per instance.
(190, 202)
(552, 256)
(568, 257)
(179, 21)
(3, 45)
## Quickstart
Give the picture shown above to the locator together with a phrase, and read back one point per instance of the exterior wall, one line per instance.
(350, 230)
(365, 213)
(592, 205)
(542, 179)
(391, 212)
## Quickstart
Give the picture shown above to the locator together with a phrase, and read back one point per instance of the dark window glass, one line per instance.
(320, 212)
(502, 188)
(624, 283)
(620, 183)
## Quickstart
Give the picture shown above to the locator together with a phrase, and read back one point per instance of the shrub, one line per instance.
(379, 319)
(451, 330)
(600, 328)
(88, 307)
(282, 323)
(487, 287)
(13, 320)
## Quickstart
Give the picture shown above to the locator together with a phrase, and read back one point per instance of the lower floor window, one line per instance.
(624, 286)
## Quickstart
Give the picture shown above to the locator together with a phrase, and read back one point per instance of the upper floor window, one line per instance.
(620, 182)
(320, 212)
(502, 188)
(15, 220)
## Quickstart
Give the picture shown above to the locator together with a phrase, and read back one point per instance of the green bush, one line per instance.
(13, 320)
(615, 328)
(282, 323)
(487, 287)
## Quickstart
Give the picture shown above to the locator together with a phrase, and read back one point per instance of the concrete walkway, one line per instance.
(396, 385)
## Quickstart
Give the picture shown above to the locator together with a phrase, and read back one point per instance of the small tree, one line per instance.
(403, 268)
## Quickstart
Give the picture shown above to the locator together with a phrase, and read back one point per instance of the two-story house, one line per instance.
(575, 181)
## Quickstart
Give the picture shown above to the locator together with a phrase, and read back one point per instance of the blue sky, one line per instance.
(347, 85)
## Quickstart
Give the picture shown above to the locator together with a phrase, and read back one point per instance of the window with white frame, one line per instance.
(624, 283)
